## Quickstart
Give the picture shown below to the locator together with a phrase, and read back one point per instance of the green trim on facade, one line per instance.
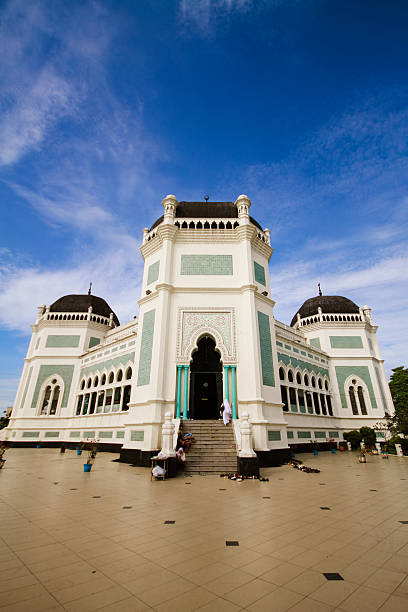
(320, 434)
(88, 434)
(105, 434)
(268, 378)
(54, 341)
(303, 365)
(315, 342)
(259, 272)
(65, 371)
(120, 434)
(304, 434)
(279, 343)
(51, 434)
(346, 342)
(31, 434)
(290, 435)
(146, 347)
(137, 436)
(343, 372)
(206, 265)
(153, 272)
(377, 374)
(108, 364)
(93, 341)
(274, 436)
(30, 372)
(74, 434)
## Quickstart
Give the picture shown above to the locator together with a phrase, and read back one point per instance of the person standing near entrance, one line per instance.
(226, 411)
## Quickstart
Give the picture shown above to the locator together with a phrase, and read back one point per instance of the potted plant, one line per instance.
(80, 448)
(362, 458)
(92, 452)
(2, 453)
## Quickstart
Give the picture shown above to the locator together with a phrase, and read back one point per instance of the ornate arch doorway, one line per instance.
(205, 381)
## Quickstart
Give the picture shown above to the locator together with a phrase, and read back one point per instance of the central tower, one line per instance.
(206, 324)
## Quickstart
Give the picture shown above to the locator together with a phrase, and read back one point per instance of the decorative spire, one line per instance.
(320, 291)
(90, 287)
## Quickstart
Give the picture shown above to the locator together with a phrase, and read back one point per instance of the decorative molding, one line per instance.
(194, 322)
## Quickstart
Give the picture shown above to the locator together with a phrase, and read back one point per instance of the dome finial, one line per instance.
(90, 287)
(320, 291)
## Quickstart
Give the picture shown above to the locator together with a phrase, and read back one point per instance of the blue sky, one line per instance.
(106, 107)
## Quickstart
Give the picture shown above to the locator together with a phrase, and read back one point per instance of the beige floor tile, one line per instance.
(358, 572)
(308, 558)
(17, 583)
(282, 574)
(208, 573)
(114, 595)
(279, 600)
(385, 580)
(334, 592)
(402, 589)
(158, 594)
(228, 582)
(22, 594)
(306, 583)
(219, 605)
(132, 604)
(248, 593)
(311, 605)
(364, 599)
(394, 604)
(94, 584)
(261, 566)
(189, 601)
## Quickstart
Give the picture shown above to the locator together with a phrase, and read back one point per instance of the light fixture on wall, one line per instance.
(148, 292)
(265, 293)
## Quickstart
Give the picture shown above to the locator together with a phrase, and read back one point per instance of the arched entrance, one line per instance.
(205, 381)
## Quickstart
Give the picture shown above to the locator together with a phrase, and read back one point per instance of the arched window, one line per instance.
(313, 381)
(301, 398)
(50, 396)
(292, 399)
(126, 397)
(360, 394)
(309, 402)
(306, 380)
(353, 400)
(329, 405)
(119, 375)
(319, 382)
(326, 385)
(199, 225)
(111, 377)
(290, 376)
(89, 383)
(129, 373)
(284, 398)
(96, 381)
(323, 403)
(83, 385)
(103, 379)
(298, 379)
(316, 402)
(281, 374)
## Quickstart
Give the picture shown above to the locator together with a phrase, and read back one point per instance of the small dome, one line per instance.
(330, 304)
(81, 303)
(206, 210)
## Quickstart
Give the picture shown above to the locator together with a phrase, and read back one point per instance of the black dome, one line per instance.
(331, 304)
(203, 210)
(81, 303)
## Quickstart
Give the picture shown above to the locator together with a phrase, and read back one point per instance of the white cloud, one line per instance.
(203, 14)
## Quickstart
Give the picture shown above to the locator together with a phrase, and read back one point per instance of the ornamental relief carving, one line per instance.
(195, 323)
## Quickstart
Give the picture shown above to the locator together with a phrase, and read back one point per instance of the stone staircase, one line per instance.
(214, 449)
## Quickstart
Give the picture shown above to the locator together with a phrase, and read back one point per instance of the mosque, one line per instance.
(205, 331)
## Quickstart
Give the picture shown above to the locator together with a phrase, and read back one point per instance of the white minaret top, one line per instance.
(170, 204)
(243, 203)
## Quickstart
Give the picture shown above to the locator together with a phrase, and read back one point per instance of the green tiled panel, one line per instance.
(62, 341)
(31, 434)
(303, 353)
(343, 372)
(274, 436)
(88, 434)
(93, 341)
(290, 435)
(287, 347)
(333, 434)
(75, 434)
(146, 346)
(268, 378)
(26, 386)
(120, 434)
(153, 272)
(346, 342)
(52, 434)
(137, 436)
(315, 342)
(295, 350)
(380, 386)
(65, 371)
(304, 434)
(279, 343)
(109, 363)
(304, 365)
(259, 272)
(105, 434)
(310, 356)
(217, 265)
(320, 434)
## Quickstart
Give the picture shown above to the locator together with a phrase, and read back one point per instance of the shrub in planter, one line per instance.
(354, 437)
(368, 436)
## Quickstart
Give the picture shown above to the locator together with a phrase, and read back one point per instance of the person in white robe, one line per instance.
(226, 411)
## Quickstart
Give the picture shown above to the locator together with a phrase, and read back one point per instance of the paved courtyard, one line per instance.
(99, 541)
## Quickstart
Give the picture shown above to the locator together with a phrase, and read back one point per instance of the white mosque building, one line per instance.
(205, 331)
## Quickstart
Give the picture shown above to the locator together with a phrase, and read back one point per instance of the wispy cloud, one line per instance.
(202, 15)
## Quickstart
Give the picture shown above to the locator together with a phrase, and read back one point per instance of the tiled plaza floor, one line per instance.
(98, 541)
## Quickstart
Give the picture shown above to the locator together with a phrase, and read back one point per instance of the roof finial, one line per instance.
(320, 291)
(206, 198)
(90, 287)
